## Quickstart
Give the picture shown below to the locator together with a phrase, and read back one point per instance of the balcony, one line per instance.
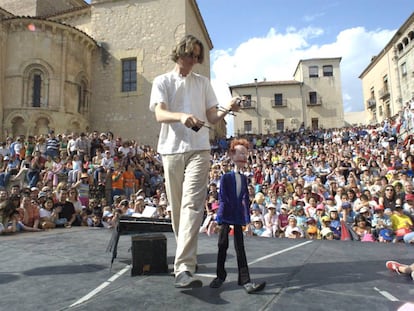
(249, 104)
(384, 93)
(371, 103)
(315, 102)
(279, 103)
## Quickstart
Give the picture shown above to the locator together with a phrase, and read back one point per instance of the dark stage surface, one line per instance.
(69, 269)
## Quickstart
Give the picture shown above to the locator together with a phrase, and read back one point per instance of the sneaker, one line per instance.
(393, 266)
(216, 283)
(253, 287)
(186, 280)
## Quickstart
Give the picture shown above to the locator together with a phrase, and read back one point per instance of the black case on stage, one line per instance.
(149, 253)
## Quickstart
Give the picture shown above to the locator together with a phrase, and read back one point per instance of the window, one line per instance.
(82, 97)
(313, 98)
(248, 126)
(36, 84)
(327, 71)
(278, 99)
(280, 125)
(248, 102)
(403, 69)
(313, 72)
(129, 75)
(37, 90)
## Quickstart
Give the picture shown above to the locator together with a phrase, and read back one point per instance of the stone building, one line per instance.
(313, 99)
(72, 66)
(388, 80)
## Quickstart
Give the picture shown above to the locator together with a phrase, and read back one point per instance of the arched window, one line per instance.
(36, 86)
(83, 97)
(37, 89)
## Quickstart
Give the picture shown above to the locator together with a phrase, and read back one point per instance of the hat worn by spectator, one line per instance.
(325, 218)
(364, 210)
(379, 207)
(312, 229)
(386, 234)
(409, 197)
(325, 232)
(271, 205)
(140, 197)
(41, 194)
(256, 218)
(320, 207)
(284, 206)
(310, 220)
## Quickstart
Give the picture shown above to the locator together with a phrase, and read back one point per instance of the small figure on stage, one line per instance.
(234, 209)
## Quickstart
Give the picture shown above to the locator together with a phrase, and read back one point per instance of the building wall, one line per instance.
(63, 55)
(384, 100)
(295, 110)
(21, 7)
(144, 30)
(378, 107)
(329, 109)
(134, 29)
(39, 7)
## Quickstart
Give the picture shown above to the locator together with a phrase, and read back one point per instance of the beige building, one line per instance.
(72, 66)
(313, 100)
(388, 81)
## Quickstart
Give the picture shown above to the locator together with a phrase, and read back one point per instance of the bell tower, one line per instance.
(39, 7)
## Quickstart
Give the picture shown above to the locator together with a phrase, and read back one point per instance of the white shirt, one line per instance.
(192, 94)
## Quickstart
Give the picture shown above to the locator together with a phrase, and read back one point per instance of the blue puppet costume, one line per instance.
(234, 209)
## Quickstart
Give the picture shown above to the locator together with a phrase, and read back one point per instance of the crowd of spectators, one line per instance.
(317, 184)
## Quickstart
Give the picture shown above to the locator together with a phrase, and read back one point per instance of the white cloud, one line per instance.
(275, 57)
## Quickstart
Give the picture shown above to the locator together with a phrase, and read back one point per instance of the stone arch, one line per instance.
(83, 89)
(36, 80)
(405, 41)
(42, 123)
(18, 126)
(75, 126)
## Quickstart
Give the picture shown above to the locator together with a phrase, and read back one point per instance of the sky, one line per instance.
(265, 39)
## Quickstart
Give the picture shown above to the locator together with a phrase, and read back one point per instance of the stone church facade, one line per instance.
(71, 66)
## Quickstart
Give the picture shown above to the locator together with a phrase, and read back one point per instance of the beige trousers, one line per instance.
(186, 178)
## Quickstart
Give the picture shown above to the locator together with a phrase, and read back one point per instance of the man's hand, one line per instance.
(191, 121)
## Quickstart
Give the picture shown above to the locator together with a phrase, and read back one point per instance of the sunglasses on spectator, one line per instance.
(389, 189)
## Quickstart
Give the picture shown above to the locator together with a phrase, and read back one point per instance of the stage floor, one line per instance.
(69, 269)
